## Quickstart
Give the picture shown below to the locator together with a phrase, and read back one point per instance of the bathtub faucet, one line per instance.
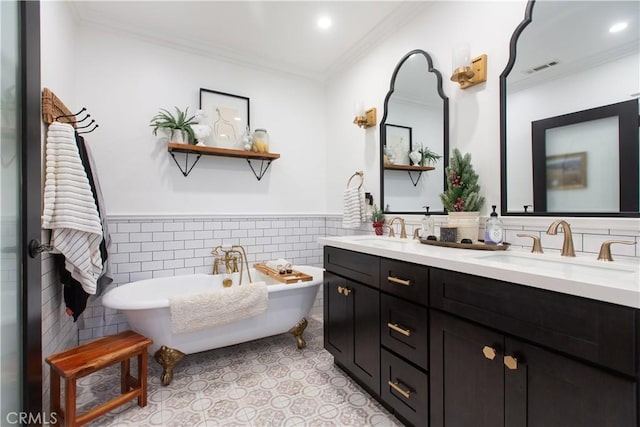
(230, 259)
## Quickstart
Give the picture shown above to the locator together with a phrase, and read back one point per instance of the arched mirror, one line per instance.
(569, 110)
(414, 137)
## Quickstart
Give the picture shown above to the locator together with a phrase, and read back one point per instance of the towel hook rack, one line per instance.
(91, 130)
(87, 125)
(361, 175)
(72, 115)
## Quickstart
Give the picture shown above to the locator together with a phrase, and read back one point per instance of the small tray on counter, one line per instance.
(477, 246)
(294, 277)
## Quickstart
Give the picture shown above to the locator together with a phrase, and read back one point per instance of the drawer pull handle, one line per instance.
(396, 386)
(399, 281)
(511, 362)
(340, 289)
(398, 328)
(489, 352)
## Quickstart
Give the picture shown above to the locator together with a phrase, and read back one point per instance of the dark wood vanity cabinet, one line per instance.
(352, 313)
(443, 348)
(483, 376)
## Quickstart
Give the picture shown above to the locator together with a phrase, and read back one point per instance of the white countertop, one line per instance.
(617, 282)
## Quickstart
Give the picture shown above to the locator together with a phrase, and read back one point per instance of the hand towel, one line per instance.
(70, 209)
(191, 313)
(354, 208)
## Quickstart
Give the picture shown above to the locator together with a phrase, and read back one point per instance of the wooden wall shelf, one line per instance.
(409, 169)
(220, 152)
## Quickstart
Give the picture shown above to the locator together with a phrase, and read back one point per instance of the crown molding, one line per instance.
(400, 17)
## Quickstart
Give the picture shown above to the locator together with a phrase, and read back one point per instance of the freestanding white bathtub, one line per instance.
(145, 305)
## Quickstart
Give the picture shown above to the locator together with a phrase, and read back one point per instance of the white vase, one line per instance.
(415, 158)
(177, 136)
(467, 223)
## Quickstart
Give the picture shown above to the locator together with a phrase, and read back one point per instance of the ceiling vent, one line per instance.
(542, 67)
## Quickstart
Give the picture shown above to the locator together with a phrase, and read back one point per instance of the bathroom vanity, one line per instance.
(452, 337)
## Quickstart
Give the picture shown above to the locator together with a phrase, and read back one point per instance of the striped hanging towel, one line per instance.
(70, 209)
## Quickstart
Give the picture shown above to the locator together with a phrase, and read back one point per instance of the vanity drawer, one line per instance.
(360, 267)
(405, 280)
(600, 332)
(409, 394)
(404, 329)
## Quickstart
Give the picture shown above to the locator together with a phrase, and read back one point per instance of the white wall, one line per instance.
(58, 49)
(474, 112)
(124, 81)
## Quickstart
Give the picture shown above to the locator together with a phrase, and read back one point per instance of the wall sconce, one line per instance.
(365, 119)
(468, 72)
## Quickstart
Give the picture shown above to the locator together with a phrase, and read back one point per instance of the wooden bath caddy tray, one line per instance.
(477, 246)
(294, 277)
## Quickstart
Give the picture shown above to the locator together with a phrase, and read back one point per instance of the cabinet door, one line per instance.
(467, 377)
(545, 389)
(366, 334)
(352, 328)
(337, 322)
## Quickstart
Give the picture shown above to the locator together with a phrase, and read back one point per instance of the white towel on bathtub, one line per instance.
(196, 312)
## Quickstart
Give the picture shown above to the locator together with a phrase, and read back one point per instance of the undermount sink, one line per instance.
(558, 264)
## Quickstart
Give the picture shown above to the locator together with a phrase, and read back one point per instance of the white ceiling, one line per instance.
(280, 35)
(576, 35)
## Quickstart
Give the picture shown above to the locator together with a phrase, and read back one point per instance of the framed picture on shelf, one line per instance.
(228, 117)
(398, 143)
(567, 171)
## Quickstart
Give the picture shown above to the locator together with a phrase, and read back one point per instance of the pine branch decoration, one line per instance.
(462, 192)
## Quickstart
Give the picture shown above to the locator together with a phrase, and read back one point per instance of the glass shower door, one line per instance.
(20, 210)
(10, 218)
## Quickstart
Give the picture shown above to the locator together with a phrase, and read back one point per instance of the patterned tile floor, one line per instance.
(263, 383)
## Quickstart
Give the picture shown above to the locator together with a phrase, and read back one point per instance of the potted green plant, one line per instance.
(461, 198)
(377, 217)
(178, 126)
(427, 156)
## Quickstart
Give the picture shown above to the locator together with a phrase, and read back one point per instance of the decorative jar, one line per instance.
(260, 139)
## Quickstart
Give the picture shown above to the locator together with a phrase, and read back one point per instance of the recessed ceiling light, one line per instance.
(324, 22)
(619, 26)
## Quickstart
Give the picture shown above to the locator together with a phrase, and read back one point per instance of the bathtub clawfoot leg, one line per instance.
(297, 331)
(168, 358)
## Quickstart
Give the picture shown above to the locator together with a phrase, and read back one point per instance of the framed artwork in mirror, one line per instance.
(567, 171)
(228, 117)
(398, 144)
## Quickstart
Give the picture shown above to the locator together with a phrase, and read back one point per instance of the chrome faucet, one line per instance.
(230, 261)
(403, 229)
(567, 244)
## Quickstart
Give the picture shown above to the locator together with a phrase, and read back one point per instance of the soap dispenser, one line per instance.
(427, 224)
(493, 229)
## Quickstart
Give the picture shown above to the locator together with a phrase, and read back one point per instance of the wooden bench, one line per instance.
(86, 359)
